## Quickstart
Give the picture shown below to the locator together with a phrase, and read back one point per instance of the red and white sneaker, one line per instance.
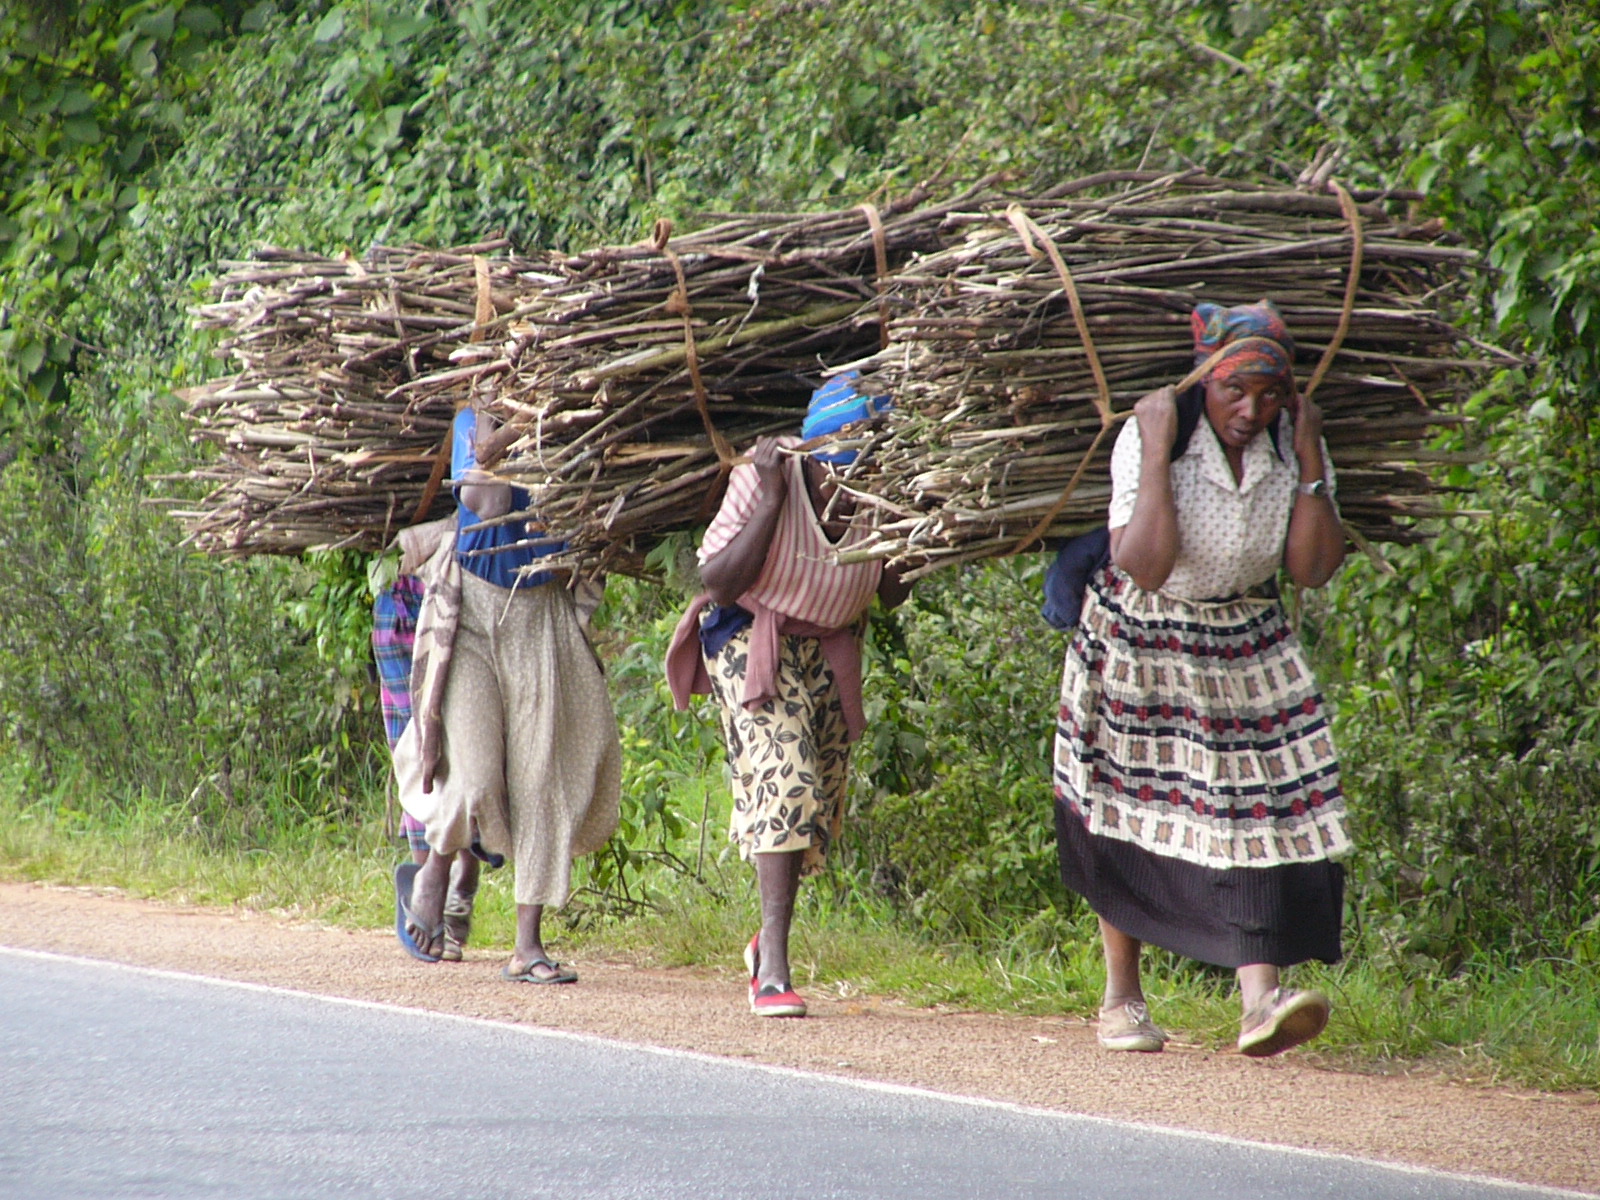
(775, 1001)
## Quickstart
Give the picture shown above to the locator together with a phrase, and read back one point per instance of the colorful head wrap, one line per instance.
(833, 406)
(1262, 341)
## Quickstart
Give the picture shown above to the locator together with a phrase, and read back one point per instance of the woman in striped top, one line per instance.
(781, 653)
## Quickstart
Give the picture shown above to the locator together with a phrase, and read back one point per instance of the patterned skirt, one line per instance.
(1197, 790)
(790, 758)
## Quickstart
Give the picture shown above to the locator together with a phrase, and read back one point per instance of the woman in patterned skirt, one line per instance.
(1197, 792)
(781, 653)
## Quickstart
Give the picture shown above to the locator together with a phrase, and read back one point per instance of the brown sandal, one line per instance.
(457, 923)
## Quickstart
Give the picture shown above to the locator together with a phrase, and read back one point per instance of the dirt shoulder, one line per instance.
(1046, 1062)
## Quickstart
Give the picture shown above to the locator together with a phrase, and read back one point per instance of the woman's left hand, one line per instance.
(1315, 545)
(1308, 432)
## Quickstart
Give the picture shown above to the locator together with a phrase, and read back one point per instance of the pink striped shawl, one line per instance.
(801, 591)
(801, 579)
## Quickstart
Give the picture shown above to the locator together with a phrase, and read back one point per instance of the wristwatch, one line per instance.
(1317, 487)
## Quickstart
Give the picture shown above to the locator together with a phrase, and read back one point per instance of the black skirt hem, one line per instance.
(1282, 915)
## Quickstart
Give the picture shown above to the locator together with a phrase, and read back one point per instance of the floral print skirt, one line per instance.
(790, 757)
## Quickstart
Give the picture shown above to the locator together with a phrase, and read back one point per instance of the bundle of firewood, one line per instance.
(639, 377)
(635, 375)
(999, 394)
(330, 430)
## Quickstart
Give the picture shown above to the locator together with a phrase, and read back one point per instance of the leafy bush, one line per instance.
(1470, 702)
(953, 813)
(123, 658)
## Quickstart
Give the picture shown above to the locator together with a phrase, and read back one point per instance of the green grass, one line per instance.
(1533, 1024)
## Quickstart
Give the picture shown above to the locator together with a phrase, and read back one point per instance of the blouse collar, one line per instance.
(1260, 457)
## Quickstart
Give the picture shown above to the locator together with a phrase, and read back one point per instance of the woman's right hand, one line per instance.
(767, 459)
(1157, 414)
(1147, 546)
(734, 569)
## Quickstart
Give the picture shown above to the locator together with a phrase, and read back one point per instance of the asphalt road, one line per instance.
(123, 1082)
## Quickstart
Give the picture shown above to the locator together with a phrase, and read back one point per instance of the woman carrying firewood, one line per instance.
(781, 653)
(513, 747)
(1198, 804)
(395, 611)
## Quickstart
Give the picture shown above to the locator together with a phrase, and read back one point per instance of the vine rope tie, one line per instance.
(880, 250)
(1352, 216)
(1032, 238)
(483, 312)
(678, 305)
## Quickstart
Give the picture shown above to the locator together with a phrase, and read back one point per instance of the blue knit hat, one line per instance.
(833, 406)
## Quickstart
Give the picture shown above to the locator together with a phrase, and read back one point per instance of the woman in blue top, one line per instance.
(530, 760)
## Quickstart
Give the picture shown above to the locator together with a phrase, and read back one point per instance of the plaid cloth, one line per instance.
(394, 630)
(415, 832)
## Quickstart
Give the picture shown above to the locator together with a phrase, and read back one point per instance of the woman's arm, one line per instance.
(1314, 547)
(493, 440)
(734, 569)
(486, 496)
(1147, 546)
(892, 588)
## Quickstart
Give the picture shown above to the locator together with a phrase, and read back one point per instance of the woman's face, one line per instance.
(1240, 406)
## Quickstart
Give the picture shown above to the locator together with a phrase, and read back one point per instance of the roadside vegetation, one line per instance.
(186, 727)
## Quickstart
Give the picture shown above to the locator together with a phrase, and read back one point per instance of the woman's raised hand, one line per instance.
(767, 459)
(1157, 414)
(1308, 432)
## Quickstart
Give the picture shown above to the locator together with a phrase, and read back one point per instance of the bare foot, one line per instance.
(427, 904)
(458, 906)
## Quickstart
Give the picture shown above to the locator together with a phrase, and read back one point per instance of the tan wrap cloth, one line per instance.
(529, 752)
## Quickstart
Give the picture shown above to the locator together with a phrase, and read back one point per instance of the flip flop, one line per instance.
(404, 876)
(526, 975)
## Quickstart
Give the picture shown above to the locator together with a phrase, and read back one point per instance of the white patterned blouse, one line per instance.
(1230, 534)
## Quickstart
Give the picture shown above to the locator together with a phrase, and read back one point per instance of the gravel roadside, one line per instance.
(1542, 1138)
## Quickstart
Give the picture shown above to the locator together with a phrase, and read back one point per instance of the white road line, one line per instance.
(870, 1085)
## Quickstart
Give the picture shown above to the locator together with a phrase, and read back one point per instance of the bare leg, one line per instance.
(1256, 980)
(778, 877)
(529, 954)
(1122, 966)
(464, 878)
(1124, 1019)
(427, 900)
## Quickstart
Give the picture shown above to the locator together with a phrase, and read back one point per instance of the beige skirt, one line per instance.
(531, 757)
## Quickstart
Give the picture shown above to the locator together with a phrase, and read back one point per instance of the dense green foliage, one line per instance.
(142, 143)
